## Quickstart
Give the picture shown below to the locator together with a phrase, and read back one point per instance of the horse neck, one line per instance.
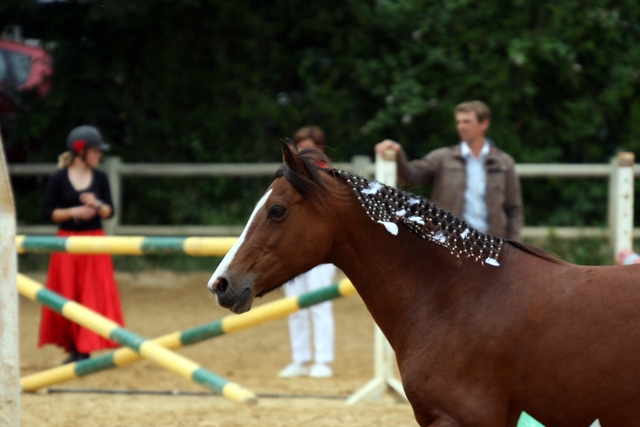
(407, 258)
(394, 274)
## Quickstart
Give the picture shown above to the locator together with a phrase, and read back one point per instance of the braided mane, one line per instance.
(390, 207)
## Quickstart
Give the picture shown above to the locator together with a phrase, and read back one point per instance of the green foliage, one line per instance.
(560, 77)
(217, 81)
(190, 200)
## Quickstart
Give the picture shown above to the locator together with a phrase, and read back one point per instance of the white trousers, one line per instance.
(320, 314)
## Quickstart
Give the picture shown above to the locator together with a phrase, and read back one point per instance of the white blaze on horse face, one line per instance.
(226, 261)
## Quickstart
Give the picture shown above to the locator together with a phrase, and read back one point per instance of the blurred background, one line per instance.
(211, 81)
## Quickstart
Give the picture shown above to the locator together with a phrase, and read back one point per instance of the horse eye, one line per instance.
(277, 211)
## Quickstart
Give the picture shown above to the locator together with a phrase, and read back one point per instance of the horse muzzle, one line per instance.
(238, 298)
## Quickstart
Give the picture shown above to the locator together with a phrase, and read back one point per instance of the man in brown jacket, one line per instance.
(474, 179)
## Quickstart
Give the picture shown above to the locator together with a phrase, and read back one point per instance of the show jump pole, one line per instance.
(147, 349)
(126, 245)
(227, 325)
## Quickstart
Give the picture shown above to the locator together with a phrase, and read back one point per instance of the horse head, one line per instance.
(288, 233)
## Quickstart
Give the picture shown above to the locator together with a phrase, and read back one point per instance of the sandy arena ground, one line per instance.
(156, 303)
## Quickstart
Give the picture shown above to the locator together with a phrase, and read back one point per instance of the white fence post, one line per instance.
(9, 348)
(612, 200)
(112, 168)
(623, 212)
(383, 355)
(361, 165)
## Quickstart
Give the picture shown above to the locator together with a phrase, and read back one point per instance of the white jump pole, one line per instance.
(383, 356)
(623, 212)
(9, 350)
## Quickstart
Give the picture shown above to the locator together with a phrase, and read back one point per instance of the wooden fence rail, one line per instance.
(361, 165)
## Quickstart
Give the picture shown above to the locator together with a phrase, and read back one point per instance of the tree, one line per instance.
(215, 81)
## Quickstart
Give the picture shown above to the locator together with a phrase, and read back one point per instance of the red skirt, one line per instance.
(88, 280)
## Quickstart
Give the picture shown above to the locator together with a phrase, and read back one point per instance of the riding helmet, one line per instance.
(85, 136)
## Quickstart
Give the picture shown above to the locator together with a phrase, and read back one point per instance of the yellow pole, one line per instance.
(147, 349)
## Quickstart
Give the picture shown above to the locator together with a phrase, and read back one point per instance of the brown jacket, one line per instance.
(446, 169)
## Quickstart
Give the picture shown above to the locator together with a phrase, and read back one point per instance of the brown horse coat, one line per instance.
(476, 343)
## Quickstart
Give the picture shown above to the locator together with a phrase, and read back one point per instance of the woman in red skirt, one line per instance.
(77, 197)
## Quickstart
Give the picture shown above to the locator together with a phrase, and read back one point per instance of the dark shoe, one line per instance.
(83, 356)
(75, 356)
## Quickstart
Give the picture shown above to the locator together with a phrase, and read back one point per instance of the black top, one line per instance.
(60, 193)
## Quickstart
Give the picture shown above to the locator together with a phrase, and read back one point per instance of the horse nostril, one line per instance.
(221, 285)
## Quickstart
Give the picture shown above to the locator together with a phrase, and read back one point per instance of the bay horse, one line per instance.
(483, 328)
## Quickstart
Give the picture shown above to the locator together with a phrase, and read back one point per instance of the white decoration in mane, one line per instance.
(374, 187)
(417, 219)
(391, 227)
(441, 238)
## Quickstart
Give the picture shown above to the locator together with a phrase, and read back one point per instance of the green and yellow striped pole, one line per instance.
(226, 325)
(126, 245)
(145, 348)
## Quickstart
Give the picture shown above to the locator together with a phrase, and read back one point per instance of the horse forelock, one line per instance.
(306, 177)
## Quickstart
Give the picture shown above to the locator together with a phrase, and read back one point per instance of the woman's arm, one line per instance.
(104, 210)
(101, 207)
(100, 200)
(77, 213)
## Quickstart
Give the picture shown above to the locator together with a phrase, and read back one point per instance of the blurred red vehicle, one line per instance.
(22, 67)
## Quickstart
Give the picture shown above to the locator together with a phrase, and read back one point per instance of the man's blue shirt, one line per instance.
(475, 202)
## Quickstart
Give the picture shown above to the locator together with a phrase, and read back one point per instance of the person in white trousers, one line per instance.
(320, 315)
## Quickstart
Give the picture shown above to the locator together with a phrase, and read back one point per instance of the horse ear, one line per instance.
(290, 156)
